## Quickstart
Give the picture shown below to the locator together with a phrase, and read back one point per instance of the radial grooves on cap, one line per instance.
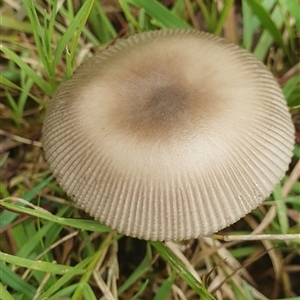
(139, 211)
(193, 221)
(149, 206)
(270, 166)
(173, 208)
(180, 201)
(186, 225)
(121, 190)
(109, 178)
(129, 192)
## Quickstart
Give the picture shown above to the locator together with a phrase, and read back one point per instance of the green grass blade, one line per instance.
(6, 217)
(243, 251)
(3, 190)
(4, 294)
(165, 289)
(131, 19)
(63, 292)
(138, 272)
(160, 13)
(29, 72)
(140, 291)
(6, 82)
(13, 105)
(77, 22)
(294, 298)
(53, 232)
(247, 290)
(10, 278)
(179, 7)
(37, 236)
(248, 26)
(12, 23)
(290, 87)
(281, 210)
(38, 33)
(262, 47)
(204, 11)
(19, 231)
(182, 271)
(212, 21)
(23, 98)
(102, 26)
(88, 292)
(223, 16)
(109, 239)
(70, 9)
(75, 223)
(297, 151)
(76, 270)
(38, 265)
(290, 28)
(267, 22)
(294, 10)
(51, 24)
(238, 292)
(144, 21)
(81, 20)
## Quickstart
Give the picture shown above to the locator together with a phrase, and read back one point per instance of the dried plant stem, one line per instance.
(258, 237)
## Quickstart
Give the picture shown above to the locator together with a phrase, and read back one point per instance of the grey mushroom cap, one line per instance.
(169, 135)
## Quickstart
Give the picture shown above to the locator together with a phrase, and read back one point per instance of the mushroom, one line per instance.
(169, 135)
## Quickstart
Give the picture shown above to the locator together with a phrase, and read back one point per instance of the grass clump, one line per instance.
(49, 249)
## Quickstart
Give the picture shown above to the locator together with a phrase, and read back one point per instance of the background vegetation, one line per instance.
(51, 250)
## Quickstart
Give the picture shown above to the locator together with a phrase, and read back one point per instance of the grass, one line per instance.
(49, 249)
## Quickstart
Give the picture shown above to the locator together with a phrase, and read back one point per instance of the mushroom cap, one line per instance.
(169, 135)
